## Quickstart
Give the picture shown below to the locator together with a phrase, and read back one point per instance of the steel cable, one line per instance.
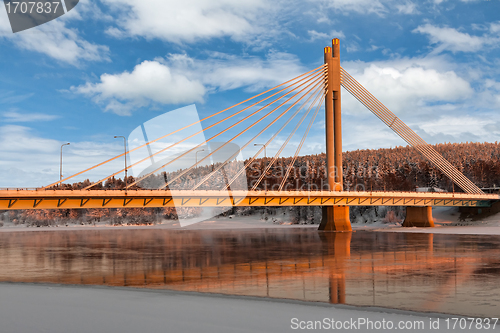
(315, 75)
(240, 133)
(300, 145)
(250, 141)
(400, 128)
(176, 131)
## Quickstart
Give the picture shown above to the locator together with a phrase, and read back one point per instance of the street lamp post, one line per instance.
(125, 148)
(196, 157)
(265, 157)
(263, 145)
(60, 163)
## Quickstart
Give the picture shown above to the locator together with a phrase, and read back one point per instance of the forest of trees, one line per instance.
(398, 169)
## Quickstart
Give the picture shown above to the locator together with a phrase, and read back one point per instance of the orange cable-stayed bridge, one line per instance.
(284, 102)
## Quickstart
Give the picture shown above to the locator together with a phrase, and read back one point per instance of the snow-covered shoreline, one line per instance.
(243, 222)
(63, 308)
(446, 221)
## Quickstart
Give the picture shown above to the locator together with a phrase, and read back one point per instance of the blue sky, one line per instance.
(108, 66)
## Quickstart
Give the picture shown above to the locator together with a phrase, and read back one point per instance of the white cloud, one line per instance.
(314, 35)
(489, 96)
(358, 6)
(451, 39)
(317, 35)
(4, 23)
(367, 132)
(471, 128)
(382, 8)
(16, 117)
(88, 10)
(437, 2)
(408, 85)
(188, 20)
(407, 8)
(15, 138)
(149, 82)
(495, 27)
(55, 40)
(179, 79)
(61, 43)
(10, 97)
(224, 72)
(458, 125)
(352, 47)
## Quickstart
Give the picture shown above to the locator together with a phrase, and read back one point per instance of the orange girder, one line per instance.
(66, 199)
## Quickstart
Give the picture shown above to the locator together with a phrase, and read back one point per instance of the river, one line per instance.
(455, 274)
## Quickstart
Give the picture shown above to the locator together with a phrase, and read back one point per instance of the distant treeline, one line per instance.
(398, 169)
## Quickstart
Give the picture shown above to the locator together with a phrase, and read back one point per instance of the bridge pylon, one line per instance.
(335, 218)
(418, 217)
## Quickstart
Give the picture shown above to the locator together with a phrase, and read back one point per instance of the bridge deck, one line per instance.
(65, 199)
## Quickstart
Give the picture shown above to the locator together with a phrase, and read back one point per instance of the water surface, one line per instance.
(456, 274)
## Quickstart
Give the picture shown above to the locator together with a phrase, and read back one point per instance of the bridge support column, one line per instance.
(335, 218)
(418, 217)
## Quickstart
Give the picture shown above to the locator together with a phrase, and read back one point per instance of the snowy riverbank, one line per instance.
(27, 308)
(447, 221)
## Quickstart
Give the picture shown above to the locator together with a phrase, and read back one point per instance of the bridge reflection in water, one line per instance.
(423, 272)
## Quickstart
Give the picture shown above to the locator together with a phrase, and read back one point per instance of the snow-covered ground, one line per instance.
(27, 308)
(240, 222)
(446, 222)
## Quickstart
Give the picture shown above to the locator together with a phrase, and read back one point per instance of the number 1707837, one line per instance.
(24, 7)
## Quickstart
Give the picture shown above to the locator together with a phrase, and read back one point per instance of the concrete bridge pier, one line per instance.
(418, 217)
(335, 218)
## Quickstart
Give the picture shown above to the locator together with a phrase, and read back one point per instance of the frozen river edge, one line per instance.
(66, 308)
